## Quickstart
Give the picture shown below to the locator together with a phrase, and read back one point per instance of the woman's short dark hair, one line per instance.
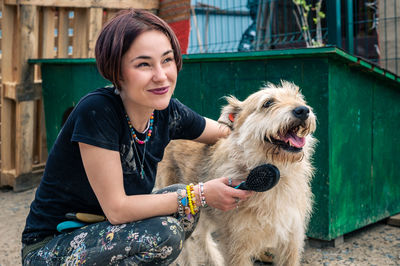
(120, 32)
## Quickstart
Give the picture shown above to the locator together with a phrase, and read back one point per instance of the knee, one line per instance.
(172, 231)
(158, 239)
(171, 239)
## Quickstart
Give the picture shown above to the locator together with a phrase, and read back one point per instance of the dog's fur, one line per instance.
(274, 220)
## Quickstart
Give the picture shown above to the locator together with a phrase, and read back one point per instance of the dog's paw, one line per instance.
(266, 257)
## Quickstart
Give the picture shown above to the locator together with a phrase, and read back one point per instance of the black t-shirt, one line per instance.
(99, 120)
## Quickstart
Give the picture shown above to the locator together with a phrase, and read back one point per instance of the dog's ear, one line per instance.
(229, 112)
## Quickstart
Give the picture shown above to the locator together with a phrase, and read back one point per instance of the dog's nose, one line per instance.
(301, 112)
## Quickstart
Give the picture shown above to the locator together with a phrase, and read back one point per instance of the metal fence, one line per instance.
(365, 28)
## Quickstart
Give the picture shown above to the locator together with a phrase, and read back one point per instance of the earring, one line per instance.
(116, 91)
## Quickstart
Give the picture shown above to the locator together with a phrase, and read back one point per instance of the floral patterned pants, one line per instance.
(153, 241)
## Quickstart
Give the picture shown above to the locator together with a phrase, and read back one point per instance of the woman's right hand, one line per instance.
(220, 195)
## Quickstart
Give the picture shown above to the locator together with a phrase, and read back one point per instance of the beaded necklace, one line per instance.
(149, 130)
(133, 133)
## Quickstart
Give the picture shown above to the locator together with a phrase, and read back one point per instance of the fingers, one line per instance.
(222, 196)
(231, 182)
(238, 193)
(233, 204)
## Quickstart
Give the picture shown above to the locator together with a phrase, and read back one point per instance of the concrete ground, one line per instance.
(378, 244)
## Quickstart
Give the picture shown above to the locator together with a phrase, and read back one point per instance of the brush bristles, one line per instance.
(261, 178)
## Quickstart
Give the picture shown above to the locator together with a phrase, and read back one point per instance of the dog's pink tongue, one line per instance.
(295, 140)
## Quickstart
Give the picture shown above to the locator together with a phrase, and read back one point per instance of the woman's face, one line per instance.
(148, 72)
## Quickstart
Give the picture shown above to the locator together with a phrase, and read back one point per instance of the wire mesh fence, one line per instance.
(366, 28)
(249, 25)
(388, 34)
(217, 26)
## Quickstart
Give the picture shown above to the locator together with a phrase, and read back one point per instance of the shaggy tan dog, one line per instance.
(273, 125)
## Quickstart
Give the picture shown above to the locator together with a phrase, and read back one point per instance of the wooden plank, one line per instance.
(1, 105)
(0, 68)
(24, 136)
(7, 177)
(394, 220)
(43, 154)
(63, 24)
(25, 109)
(22, 92)
(47, 47)
(8, 106)
(80, 38)
(7, 137)
(26, 181)
(118, 4)
(37, 71)
(95, 24)
(39, 146)
(47, 20)
(27, 45)
(10, 90)
(8, 29)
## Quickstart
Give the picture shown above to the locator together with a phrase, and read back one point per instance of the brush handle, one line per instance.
(69, 225)
(85, 217)
(242, 185)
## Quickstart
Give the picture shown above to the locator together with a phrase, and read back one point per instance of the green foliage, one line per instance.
(303, 10)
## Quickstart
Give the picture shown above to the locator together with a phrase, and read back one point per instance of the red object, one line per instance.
(182, 30)
(231, 117)
(177, 14)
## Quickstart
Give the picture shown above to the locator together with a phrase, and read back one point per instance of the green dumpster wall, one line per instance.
(64, 83)
(357, 106)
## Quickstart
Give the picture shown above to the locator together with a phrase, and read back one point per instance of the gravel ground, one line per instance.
(378, 244)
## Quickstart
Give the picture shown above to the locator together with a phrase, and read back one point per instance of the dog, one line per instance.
(273, 125)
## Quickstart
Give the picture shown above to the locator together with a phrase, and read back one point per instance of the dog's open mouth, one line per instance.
(290, 140)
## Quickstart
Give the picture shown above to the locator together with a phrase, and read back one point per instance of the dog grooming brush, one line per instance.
(261, 178)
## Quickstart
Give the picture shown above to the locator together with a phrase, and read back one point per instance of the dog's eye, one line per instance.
(268, 103)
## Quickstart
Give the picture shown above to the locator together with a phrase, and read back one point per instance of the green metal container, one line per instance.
(357, 105)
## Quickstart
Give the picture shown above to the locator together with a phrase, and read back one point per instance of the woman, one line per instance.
(104, 160)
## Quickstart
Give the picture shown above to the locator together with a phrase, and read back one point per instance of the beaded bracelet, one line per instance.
(202, 196)
(192, 199)
(189, 196)
(181, 210)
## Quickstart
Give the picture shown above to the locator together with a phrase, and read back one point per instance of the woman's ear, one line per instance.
(230, 111)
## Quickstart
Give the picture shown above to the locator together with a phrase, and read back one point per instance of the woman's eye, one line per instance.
(143, 64)
(268, 103)
(168, 59)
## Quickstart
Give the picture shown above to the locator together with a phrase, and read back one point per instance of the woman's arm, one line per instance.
(212, 132)
(104, 171)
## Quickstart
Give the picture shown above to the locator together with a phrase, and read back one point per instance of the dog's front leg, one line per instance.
(290, 254)
(237, 250)
(242, 258)
(207, 243)
(201, 248)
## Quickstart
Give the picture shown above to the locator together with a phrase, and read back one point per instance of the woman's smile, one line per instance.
(160, 91)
